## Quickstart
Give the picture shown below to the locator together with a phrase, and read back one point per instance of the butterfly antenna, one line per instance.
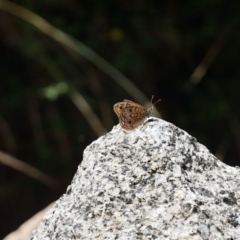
(152, 98)
(156, 101)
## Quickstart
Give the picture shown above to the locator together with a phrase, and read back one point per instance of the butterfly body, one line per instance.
(131, 114)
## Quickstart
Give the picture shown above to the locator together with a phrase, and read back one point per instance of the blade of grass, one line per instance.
(30, 171)
(75, 46)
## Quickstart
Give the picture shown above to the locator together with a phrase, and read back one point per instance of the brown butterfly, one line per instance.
(132, 114)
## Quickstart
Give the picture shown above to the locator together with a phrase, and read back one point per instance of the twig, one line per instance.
(205, 64)
(87, 112)
(212, 54)
(28, 170)
(75, 46)
(77, 98)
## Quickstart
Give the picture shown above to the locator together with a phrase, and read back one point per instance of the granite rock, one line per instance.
(154, 182)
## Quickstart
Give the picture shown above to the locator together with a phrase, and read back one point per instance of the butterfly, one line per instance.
(132, 114)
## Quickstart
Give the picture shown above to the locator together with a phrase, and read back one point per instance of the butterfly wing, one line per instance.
(133, 103)
(118, 108)
(130, 114)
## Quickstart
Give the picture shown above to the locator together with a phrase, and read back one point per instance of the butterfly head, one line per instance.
(149, 110)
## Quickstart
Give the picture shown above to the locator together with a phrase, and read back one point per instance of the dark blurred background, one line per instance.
(56, 96)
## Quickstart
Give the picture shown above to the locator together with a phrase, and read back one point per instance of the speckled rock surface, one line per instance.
(155, 182)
